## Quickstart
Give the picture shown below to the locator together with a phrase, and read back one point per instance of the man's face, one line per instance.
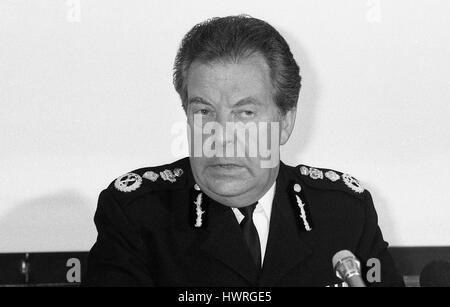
(227, 93)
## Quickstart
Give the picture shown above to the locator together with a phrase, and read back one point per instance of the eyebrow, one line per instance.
(242, 102)
(198, 100)
(247, 101)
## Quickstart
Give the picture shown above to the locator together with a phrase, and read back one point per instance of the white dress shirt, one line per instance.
(261, 218)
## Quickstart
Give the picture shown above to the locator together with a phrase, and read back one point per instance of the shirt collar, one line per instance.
(265, 202)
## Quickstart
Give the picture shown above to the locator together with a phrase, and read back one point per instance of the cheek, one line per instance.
(262, 175)
(254, 167)
(272, 121)
(198, 165)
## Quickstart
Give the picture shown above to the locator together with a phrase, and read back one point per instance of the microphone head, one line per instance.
(339, 256)
(435, 274)
(346, 265)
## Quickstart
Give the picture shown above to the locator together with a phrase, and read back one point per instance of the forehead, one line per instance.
(229, 80)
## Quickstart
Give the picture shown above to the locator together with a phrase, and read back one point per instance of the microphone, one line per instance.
(435, 274)
(348, 268)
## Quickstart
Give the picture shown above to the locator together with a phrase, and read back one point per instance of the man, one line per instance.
(220, 218)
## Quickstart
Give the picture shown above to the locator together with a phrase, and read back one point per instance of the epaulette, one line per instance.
(150, 179)
(330, 179)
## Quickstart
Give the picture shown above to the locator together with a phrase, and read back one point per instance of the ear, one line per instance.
(287, 125)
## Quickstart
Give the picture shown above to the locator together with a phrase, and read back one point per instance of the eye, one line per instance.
(247, 114)
(203, 112)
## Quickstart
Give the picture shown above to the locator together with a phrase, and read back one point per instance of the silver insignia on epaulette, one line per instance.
(352, 183)
(315, 173)
(150, 176)
(332, 175)
(304, 170)
(168, 175)
(178, 172)
(128, 182)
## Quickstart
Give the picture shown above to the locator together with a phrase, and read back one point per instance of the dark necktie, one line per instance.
(250, 233)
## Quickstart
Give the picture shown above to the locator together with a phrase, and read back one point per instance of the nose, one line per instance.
(224, 119)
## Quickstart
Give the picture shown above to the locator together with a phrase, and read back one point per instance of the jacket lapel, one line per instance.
(220, 236)
(225, 242)
(285, 246)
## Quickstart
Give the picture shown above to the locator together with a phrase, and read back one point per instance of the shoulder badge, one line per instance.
(133, 181)
(332, 175)
(352, 183)
(150, 175)
(335, 179)
(140, 181)
(128, 182)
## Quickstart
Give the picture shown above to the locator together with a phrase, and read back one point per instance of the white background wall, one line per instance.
(86, 95)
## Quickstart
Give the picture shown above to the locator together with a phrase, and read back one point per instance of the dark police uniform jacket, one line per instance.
(150, 232)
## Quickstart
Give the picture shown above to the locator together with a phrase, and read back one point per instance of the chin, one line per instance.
(227, 187)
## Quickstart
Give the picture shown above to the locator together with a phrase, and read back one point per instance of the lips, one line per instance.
(226, 166)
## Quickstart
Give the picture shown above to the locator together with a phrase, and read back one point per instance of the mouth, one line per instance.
(226, 165)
